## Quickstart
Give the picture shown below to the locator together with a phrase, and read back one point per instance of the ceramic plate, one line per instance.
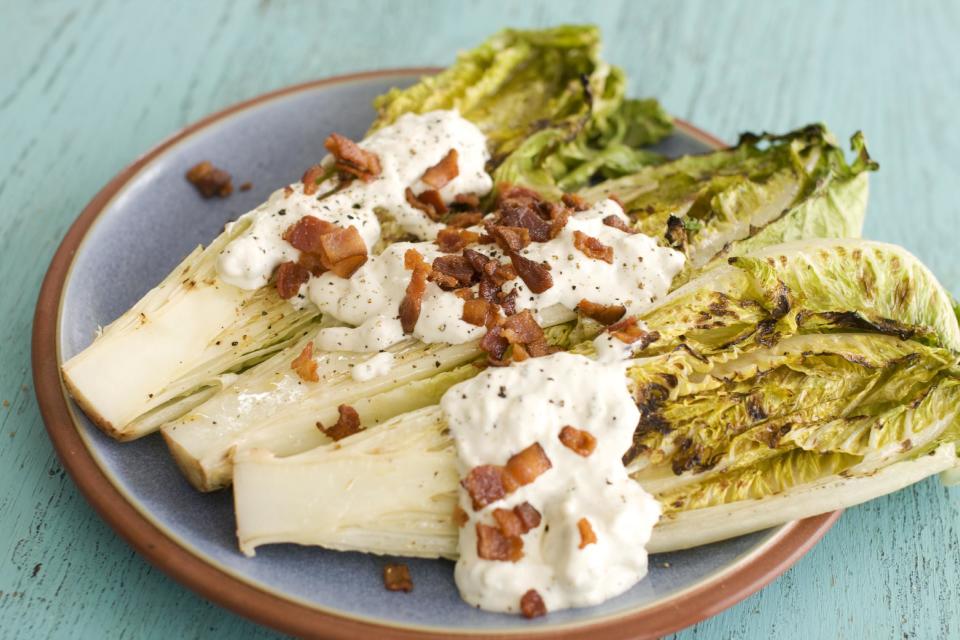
(137, 229)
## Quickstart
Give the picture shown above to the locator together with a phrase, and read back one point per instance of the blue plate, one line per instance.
(131, 236)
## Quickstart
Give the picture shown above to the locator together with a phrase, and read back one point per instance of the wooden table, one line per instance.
(86, 87)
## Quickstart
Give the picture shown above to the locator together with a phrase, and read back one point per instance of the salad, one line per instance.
(501, 329)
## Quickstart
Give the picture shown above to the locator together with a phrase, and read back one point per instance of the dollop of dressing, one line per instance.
(378, 365)
(641, 272)
(503, 411)
(406, 149)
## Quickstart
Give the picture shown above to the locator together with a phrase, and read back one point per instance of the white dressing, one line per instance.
(378, 365)
(507, 409)
(641, 272)
(406, 149)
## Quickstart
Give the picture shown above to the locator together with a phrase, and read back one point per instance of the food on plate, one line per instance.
(501, 329)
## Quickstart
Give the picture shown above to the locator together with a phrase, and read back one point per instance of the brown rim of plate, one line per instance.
(684, 609)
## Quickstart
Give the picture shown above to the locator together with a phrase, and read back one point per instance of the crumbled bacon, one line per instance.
(508, 238)
(575, 202)
(580, 442)
(351, 159)
(290, 276)
(515, 214)
(347, 424)
(413, 298)
(592, 248)
(464, 219)
(559, 216)
(396, 577)
(245, 186)
(531, 605)
(514, 193)
(453, 240)
(305, 365)
(526, 466)
(629, 331)
(508, 302)
(312, 178)
(587, 535)
(487, 483)
(467, 200)
(452, 272)
(522, 328)
(443, 172)
(312, 263)
(478, 312)
(429, 202)
(493, 545)
(343, 251)
(494, 345)
(535, 275)
(460, 516)
(306, 233)
(517, 521)
(602, 313)
(209, 180)
(618, 223)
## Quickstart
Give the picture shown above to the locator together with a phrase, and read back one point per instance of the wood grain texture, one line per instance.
(86, 87)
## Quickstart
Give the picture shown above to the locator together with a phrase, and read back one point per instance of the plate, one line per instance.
(131, 235)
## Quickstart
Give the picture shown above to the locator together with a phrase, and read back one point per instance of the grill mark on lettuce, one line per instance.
(855, 320)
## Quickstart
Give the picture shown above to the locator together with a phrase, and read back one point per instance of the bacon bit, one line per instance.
(517, 521)
(246, 186)
(305, 365)
(351, 158)
(287, 191)
(592, 248)
(312, 178)
(508, 302)
(531, 605)
(460, 516)
(488, 483)
(495, 345)
(452, 272)
(559, 216)
(465, 293)
(209, 180)
(522, 328)
(452, 240)
(526, 466)
(528, 514)
(464, 219)
(535, 275)
(493, 545)
(429, 202)
(514, 214)
(580, 442)
(410, 305)
(443, 172)
(467, 200)
(618, 223)
(509, 192)
(343, 251)
(508, 238)
(290, 276)
(629, 332)
(519, 353)
(477, 312)
(575, 202)
(602, 313)
(306, 233)
(347, 424)
(587, 536)
(396, 577)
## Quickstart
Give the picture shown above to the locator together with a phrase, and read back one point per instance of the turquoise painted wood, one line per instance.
(85, 87)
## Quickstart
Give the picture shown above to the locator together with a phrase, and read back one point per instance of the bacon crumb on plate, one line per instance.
(396, 577)
(493, 545)
(531, 605)
(602, 313)
(209, 180)
(351, 158)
